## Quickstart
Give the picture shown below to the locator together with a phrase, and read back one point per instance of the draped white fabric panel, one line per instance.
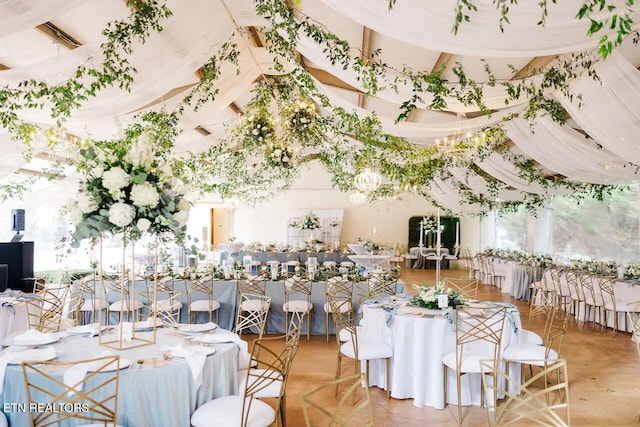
(479, 185)
(19, 15)
(566, 151)
(424, 132)
(447, 196)
(506, 172)
(610, 110)
(494, 97)
(429, 24)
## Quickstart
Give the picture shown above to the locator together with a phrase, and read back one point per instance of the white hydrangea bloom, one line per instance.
(145, 195)
(86, 203)
(143, 224)
(115, 178)
(75, 215)
(121, 214)
(181, 217)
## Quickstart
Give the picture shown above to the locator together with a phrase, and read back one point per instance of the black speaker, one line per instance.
(17, 220)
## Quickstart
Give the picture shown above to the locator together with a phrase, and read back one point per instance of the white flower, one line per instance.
(145, 195)
(75, 215)
(143, 224)
(255, 131)
(115, 178)
(184, 205)
(86, 202)
(121, 214)
(97, 171)
(181, 217)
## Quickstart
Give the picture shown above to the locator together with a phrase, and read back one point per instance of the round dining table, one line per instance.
(156, 392)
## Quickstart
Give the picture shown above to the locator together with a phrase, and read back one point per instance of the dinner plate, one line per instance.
(143, 328)
(198, 350)
(94, 366)
(37, 341)
(35, 354)
(197, 328)
(214, 338)
(85, 329)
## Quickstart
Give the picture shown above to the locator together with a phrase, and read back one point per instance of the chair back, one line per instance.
(256, 285)
(633, 313)
(468, 288)
(380, 285)
(591, 297)
(321, 408)
(555, 329)
(47, 311)
(475, 325)
(339, 286)
(536, 401)
(252, 312)
(605, 285)
(574, 284)
(343, 320)
(296, 286)
(95, 396)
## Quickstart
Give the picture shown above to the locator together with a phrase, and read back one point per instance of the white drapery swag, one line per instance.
(429, 24)
(610, 110)
(566, 151)
(479, 185)
(506, 172)
(446, 194)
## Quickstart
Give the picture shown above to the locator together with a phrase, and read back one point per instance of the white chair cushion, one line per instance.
(252, 305)
(227, 412)
(529, 354)
(344, 307)
(204, 305)
(529, 337)
(125, 305)
(91, 305)
(367, 350)
(298, 306)
(470, 361)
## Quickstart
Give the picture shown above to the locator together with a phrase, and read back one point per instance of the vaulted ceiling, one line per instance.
(47, 39)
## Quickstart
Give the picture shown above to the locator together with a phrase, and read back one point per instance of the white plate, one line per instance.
(83, 330)
(197, 328)
(215, 338)
(143, 328)
(199, 350)
(35, 354)
(37, 341)
(124, 363)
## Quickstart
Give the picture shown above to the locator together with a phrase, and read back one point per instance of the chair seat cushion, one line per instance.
(367, 350)
(124, 305)
(529, 337)
(204, 305)
(298, 306)
(529, 354)
(253, 305)
(470, 361)
(227, 412)
(344, 307)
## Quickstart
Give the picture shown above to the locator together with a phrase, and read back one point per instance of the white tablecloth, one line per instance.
(13, 318)
(419, 343)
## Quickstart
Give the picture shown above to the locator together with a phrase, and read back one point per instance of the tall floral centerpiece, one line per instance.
(128, 189)
(427, 296)
(310, 222)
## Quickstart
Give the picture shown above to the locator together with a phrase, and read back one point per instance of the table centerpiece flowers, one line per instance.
(427, 296)
(310, 222)
(128, 187)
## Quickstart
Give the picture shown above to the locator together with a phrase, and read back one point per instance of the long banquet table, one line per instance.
(147, 396)
(419, 342)
(225, 292)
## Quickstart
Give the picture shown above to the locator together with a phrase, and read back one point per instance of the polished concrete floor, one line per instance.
(603, 369)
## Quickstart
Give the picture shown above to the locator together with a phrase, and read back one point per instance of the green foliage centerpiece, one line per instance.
(427, 296)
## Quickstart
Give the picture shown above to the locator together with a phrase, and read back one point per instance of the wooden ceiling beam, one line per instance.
(3, 67)
(443, 61)
(366, 54)
(236, 109)
(255, 36)
(534, 66)
(202, 131)
(328, 78)
(58, 36)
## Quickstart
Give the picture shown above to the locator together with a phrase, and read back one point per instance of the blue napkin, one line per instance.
(9, 307)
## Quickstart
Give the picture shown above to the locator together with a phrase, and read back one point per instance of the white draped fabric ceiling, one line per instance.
(415, 33)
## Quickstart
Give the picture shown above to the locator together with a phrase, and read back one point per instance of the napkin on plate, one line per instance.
(222, 336)
(33, 337)
(92, 329)
(74, 375)
(194, 358)
(9, 306)
(198, 327)
(12, 355)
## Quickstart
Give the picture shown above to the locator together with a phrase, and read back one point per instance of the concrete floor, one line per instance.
(604, 375)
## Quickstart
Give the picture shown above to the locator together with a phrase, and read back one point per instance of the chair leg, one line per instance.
(338, 371)
(326, 325)
(388, 378)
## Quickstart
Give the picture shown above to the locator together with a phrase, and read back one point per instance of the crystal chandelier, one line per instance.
(368, 181)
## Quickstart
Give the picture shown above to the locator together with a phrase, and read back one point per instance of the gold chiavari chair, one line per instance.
(380, 285)
(94, 397)
(534, 402)
(593, 304)
(252, 313)
(575, 291)
(337, 286)
(128, 306)
(356, 347)
(196, 288)
(92, 306)
(633, 313)
(609, 304)
(297, 298)
(319, 410)
(246, 409)
(468, 288)
(474, 326)
(168, 302)
(46, 312)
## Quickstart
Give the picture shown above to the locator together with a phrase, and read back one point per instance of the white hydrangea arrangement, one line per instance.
(310, 222)
(279, 154)
(427, 296)
(127, 187)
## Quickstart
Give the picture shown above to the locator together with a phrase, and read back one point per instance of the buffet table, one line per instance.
(159, 393)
